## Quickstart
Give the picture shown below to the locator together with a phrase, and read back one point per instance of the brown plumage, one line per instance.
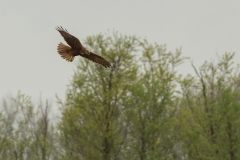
(75, 48)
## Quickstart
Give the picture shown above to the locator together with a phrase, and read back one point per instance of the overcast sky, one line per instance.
(29, 61)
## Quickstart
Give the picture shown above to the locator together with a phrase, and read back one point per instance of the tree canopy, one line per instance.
(141, 108)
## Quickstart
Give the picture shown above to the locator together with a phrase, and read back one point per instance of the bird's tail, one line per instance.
(62, 50)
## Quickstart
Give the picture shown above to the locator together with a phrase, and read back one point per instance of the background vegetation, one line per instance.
(142, 108)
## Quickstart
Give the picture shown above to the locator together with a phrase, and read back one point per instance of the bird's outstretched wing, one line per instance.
(97, 59)
(70, 39)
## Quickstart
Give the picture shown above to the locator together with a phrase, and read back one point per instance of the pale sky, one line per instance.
(28, 40)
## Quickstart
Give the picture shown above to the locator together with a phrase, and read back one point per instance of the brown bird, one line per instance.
(75, 48)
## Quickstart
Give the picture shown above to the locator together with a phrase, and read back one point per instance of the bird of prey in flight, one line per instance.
(75, 48)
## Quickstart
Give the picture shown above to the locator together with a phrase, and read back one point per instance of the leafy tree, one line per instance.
(93, 124)
(210, 111)
(153, 103)
(26, 131)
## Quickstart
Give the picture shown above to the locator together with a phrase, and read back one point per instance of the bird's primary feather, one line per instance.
(70, 39)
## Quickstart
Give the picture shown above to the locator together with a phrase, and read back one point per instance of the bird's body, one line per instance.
(75, 48)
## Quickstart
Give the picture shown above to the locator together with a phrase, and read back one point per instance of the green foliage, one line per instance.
(211, 110)
(93, 119)
(153, 104)
(141, 108)
(123, 112)
(25, 131)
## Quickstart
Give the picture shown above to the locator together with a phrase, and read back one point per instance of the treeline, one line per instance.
(140, 109)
